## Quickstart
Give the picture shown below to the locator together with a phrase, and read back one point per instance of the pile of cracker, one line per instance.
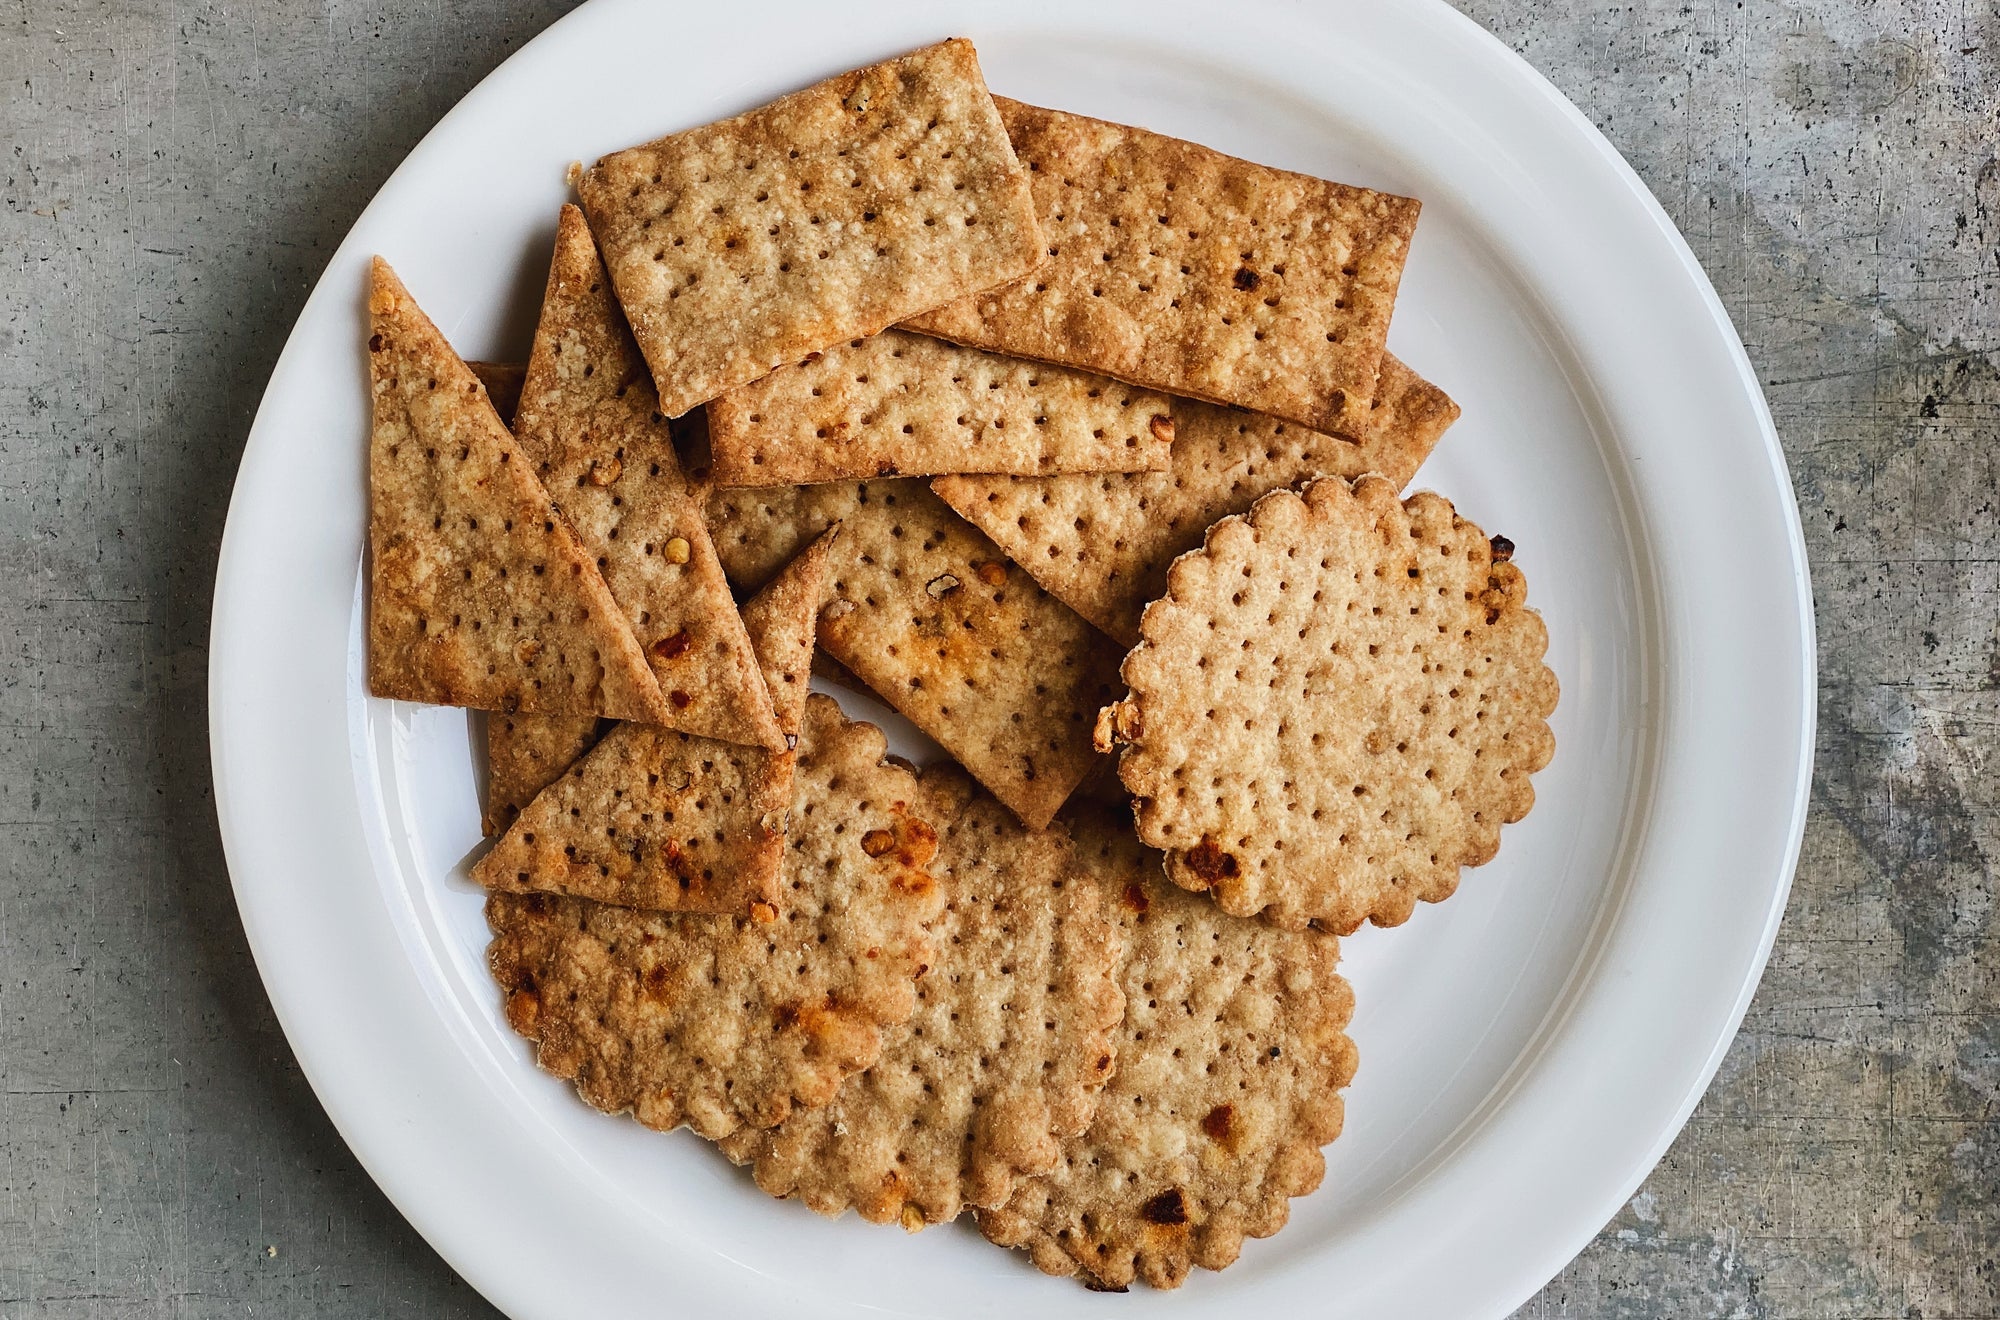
(1077, 445)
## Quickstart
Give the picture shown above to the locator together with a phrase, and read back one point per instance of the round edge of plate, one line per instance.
(1446, 1264)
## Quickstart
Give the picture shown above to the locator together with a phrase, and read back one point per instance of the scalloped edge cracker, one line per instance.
(1007, 1050)
(1231, 1059)
(1337, 704)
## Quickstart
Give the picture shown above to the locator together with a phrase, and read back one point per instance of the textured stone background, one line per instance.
(175, 174)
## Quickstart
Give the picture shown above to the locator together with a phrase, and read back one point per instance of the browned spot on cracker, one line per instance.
(1167, 1209)
(1208, 861)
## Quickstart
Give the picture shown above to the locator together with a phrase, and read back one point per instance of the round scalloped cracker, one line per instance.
(1230, 1063)
(718, 1021)
(1336, 706)
(1009, 1046)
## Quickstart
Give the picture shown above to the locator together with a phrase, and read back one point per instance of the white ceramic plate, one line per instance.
(1528, 1048)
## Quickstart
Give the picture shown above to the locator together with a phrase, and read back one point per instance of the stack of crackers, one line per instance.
(1079, 446)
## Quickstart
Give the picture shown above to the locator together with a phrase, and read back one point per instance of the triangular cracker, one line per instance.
(589, 419)
(527, 753)
(941, 625)
(1230, 1063)
(721, 1021)
(782, 619)
(1335, 706)
(827, 215)
(908, 404)
(1009, 1046)
(1178, 268)
(479, 593)
(1101, 544)
(656, 818)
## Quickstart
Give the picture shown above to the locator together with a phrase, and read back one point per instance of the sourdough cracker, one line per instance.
(718, 1022)
(783, 623)
(935, 620)
(660, 819)
(1336, 705)
(479, 592)
(652, 818)
(589, 419)
(1231, 1059)
(527, 753)
(942, 626)
(907, 404)
(1009, 1045)
(825, 216)
(1102, 544)
(1181, 269)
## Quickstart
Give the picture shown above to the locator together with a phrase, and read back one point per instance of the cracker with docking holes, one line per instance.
(659, 819)
(1336, 705)
(825, 216)
(907, 404)
(1005, 1055)
(1176, 267)
(1101, 544)
(935, 620)
(1231, 1060)
(589, 418)
(480, 593)
(527, 753)
(721, 1021)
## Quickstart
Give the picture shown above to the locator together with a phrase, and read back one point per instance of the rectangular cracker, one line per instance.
(1181, 269)
(1102, 544)
(827, 215)
(909, 405)
(930, 615)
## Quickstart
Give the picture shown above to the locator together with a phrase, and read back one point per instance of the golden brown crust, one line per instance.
(1231, 1058)
(1010, 1043)
(653, 818)
(589, 419)
(1336, 705)
(783, 623)
(722, 1021)
(479, 593)
(1102, 544)
(934, 619)
(827, 215)
(908, 404)
(1181, 269)
(656, 818)
(527, 753)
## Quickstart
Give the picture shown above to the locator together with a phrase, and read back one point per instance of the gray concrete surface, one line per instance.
(176, 174)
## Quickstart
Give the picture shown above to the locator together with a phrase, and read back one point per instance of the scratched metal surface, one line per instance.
(176, 174)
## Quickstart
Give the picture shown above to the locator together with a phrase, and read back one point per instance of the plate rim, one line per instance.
(226, 636)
